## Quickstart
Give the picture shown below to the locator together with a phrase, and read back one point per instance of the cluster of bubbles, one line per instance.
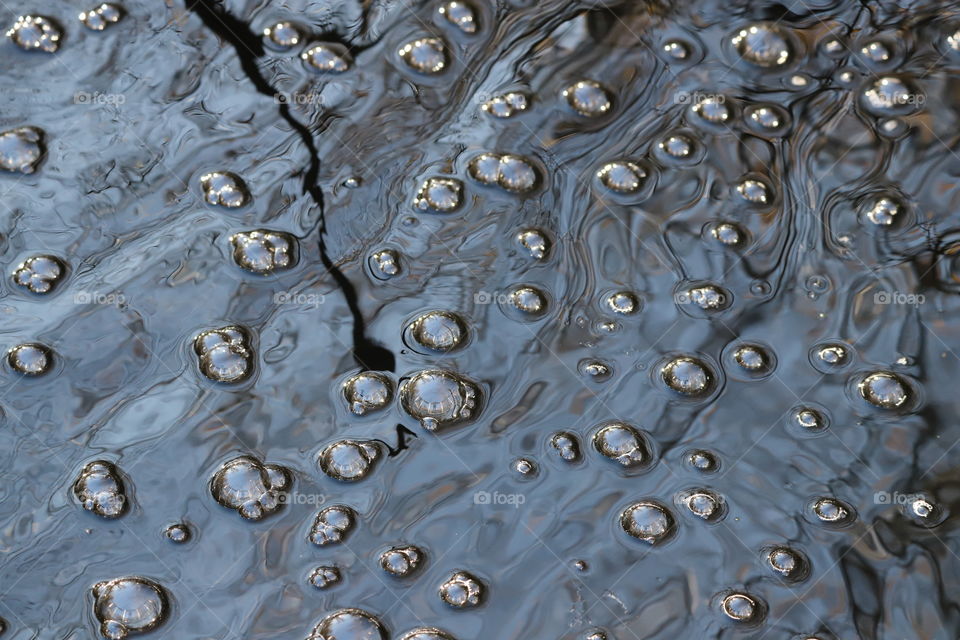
(510, 172)
(348, 460)
(100, 490)
(262, 251)
(438, 398)
(39, 274)
(21, 149)
(249, 487)
(129, 606)
(332, 525)
(224, 189)
(224, 354)
(401, 561)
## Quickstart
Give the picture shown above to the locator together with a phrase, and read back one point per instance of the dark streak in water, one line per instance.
(249, 48)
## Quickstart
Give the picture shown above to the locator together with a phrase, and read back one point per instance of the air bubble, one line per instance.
(249, 487)
(833, 355)
(923, 510)
(707, 297)
(282, 35)
(622, 176)
(385, 264)
(35, 33)
(100, 490)
(510, 172)
(224, 354)
(439, 331)
(324, 577)
(440, 195)
(21, 149)
(439, 398)
(332, 525)
(883, 210)
(703, 461)
(884, 389)
(713, 110)
(831, 511)
(224, 188)
(525, 467)
(126, 606)
(39, 274)
(178, 533)
(349, 624)
(787, 563)
(891, 95)
(876, 51)
(621, 443)
(566, 445)
(535, 243)
(588, 98)
(676, 50)
(810, 419)
(752, 358)
(30, 359)
(528, 300)
(462, 590)
(367, 391)
(101, 16)
(426, 633)
(763, 44)
(506, 105)
(647, 521)
(595, 370)
(401, 561)
(623, 302)
(727, 233)
(459, 14)
(677, 145)
(263, 251)
(741, 607)
(767, 120)
(687, 376)
(703, 504)
(425, 55)
(755, 191)
(327, 57)
(348, 460)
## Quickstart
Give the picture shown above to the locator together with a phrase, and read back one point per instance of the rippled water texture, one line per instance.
(450, 320)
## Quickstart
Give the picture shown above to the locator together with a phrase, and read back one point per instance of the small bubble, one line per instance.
(332, 525)
(263, 251)
(623, 302)
(425, 55)
(367, 391)
(622, 176)
(810, 419)
(535, 243)
(835, 355)
(100, 490)
(179, 533)
(440, 331)
(831, 511)
(224, 354)
(891, 95)
(703, 503)
(676, 50)
(348, 460)
(727, 233)
(282, 35)
(580, 565)
(401, 561)
(427, 633)
(595, 370)
(525, 467)
(763, 44)
(588, 98)
(349, 624)
(385, 264)
(462, 590)
(224, 189)
(677, 145)
(125, 606)
(883, 389)
(924, 511)
(249, 487)
(752, 358)
(712, 109)
(876, 51)
(708, 297)
(35, 33)
(883, 210)
(439, 194)
(755, 191)
(324, 577)
(439, 398)
(787, 563)
(101, 16)
(703, 461)
(647, 521)
(39, 274)
(31, 359)
(528, 300)
(506, 105)
(621, 443)
(459, 14)
(21, 149)
(510, 172)
(741, 607)
(767, 119)
(687, 376)
(327, 57)
(566, 445)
